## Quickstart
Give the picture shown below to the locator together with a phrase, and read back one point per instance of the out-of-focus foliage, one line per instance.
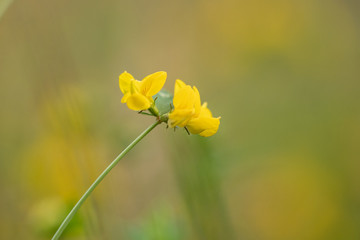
(283, 75)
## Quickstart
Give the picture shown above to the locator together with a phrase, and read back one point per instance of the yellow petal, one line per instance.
(204, 126)
(209, 132)
(137, 102)
(180, 117)
(204, 111)
(125, 97)
(153, 83)
(178, 85)
(124, 82)
(197, 103)
(184, 98)
(134, 86)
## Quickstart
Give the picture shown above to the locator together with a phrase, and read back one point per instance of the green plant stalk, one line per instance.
(100, 178)
(153, 110)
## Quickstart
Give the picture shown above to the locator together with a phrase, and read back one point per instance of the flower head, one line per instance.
(138, 94)
(188, 111)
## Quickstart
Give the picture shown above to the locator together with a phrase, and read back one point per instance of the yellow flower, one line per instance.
(188, 111)
(138, 94)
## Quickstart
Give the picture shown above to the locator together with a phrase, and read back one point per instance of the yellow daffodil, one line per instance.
(188, 111)
(138, 94)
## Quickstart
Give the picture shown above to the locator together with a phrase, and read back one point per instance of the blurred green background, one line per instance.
(283, 75)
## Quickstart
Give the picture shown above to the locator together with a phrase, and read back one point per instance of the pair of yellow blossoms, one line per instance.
(187, 109)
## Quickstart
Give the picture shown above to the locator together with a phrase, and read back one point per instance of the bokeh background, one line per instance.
(283, 75)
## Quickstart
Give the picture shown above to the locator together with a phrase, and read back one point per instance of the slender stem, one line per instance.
(99, 179)
(153, 110)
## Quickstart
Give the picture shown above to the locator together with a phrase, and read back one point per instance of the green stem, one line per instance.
(153, 109)
(99, 179)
